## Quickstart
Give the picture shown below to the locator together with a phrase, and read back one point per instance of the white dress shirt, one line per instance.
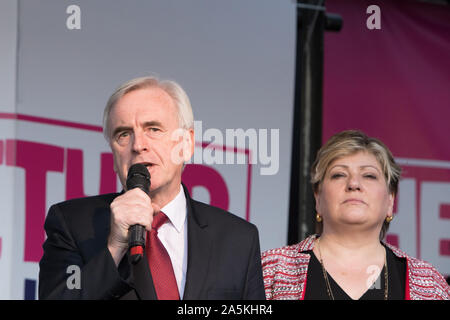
(173, 235)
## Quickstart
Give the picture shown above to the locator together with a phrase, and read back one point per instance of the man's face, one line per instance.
(141, 130)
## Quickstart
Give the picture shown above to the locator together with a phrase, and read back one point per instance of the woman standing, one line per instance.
(355, 180)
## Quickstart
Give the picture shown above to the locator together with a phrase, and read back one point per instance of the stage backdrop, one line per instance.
(64, 58)
(61, 59)
(393, 83)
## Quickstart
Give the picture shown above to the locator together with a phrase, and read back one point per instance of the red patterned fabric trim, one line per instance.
(285, 271)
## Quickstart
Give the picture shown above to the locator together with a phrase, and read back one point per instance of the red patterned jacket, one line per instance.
(285, 272)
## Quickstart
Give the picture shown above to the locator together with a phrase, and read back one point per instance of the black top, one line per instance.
(316, 288)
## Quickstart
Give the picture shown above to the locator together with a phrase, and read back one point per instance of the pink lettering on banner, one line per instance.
(444, 244)
(430, 207)
(1, 161)
(52, 158)
(199, 175)
(23, 154)
(444, 247)
(74, 174)
(108, 182)
(37, 159)
(1, 152)
(444, 211)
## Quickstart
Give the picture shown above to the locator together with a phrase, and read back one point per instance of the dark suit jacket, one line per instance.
(223, 255)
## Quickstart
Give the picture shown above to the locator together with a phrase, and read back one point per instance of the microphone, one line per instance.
(138, 177)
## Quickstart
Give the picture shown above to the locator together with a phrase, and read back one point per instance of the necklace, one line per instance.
(325, 275)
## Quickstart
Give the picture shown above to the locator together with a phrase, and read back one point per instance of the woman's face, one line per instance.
(354, 192)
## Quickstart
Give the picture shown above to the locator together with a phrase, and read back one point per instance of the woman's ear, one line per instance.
(316, 197)
(391, 204)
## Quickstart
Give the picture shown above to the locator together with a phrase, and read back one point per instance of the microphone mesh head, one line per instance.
(138, 177)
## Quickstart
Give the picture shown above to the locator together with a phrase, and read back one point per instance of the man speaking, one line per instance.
(184, 249)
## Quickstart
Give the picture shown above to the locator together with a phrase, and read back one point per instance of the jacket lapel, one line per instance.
(142, 280)
(140, 276)
(199, 250)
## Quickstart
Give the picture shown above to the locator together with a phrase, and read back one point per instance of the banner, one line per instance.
(65, 58)
(387, 73)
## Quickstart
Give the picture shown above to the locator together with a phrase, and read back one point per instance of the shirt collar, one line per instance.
(175, 210)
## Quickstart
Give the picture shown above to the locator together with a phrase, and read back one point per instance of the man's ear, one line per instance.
(184, 147)
(189, 147)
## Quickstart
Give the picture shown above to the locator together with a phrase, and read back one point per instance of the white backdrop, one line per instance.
(234, 58)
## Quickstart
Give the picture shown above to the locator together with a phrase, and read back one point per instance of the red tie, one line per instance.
(160, 264)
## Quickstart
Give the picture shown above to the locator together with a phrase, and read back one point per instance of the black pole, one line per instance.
(307, 129)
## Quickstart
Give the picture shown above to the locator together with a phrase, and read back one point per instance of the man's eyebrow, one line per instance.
(120, 129)
(153, 123)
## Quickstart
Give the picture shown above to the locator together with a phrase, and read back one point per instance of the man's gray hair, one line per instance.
(173, 89)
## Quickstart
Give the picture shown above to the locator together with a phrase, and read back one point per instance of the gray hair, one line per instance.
(173, 89)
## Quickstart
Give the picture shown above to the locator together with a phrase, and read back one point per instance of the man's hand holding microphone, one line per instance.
(131, 216)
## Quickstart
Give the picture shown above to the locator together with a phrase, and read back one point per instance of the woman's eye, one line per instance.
(370, 176)
(337, 175)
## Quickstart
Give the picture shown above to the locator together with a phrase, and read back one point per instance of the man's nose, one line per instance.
(139, 142)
